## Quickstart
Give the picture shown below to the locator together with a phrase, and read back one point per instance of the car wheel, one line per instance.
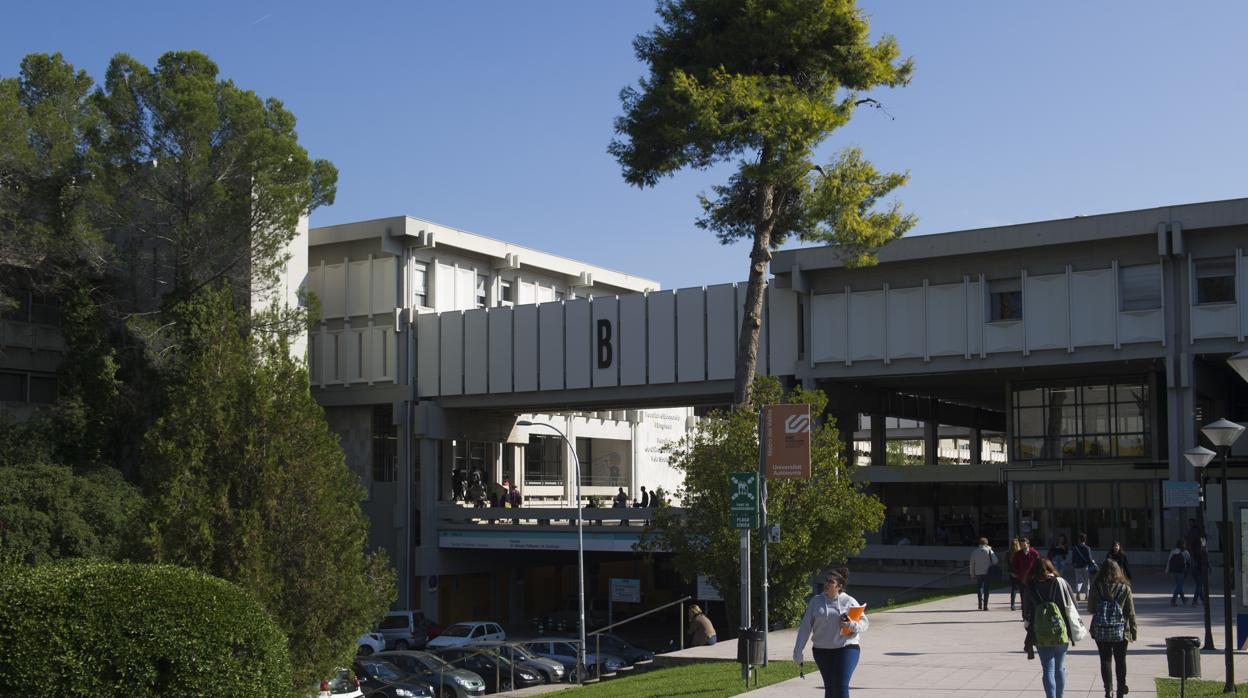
(400, 645)
(364, 650)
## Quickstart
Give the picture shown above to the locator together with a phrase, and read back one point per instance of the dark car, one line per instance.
(610, 643)
(385, 680)
(563, 650)
(550, 670)
(455, 682)
(495, 670)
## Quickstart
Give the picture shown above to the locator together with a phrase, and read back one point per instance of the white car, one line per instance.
(467, 632)
(342, 685)
(369, 643)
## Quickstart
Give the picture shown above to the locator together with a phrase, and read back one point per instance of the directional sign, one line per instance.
(743, 493)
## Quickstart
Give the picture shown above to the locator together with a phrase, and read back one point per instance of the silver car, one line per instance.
(549, 669)
(454, 682)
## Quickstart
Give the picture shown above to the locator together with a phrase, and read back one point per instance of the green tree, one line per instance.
(764, 83)
(247, 482)
(822, 520)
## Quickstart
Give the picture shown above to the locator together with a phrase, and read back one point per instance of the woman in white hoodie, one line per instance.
(836, 653)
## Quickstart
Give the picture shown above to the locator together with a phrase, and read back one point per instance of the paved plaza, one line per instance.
(948, 648)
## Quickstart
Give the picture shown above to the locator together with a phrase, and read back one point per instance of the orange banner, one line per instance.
(786, 441)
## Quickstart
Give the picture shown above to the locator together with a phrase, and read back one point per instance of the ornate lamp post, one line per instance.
(1222, 434)
(1199, 457)
(580, 548)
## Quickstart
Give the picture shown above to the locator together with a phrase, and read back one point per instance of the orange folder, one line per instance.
(855, 613)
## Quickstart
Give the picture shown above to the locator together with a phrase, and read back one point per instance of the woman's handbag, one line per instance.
(1077, 630)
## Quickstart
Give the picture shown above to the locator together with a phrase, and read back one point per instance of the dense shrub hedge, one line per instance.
(91, 628)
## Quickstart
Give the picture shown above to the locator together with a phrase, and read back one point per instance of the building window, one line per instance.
(12, 387)
(1005, 300)
(559, 295)
(1139, 288)
(420, 285)
(385, 444)
(505, 295)
(28, 388)
(1109, 420)
(483, 282)
(543, 461)
(42, 389)
(1215, 280)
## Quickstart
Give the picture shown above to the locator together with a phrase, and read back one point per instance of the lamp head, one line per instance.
(524, 423)
(1199, 457)
(1222, 432)
(1239, 362)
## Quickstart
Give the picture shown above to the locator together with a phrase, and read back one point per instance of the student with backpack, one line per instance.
(983, 562)
(1177, 566)
(1052, 622)
(1085, 568)
(1113, 624)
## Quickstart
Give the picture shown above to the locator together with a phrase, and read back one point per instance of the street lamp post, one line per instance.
(580, 548)
(1199, 457)
(1223, 433)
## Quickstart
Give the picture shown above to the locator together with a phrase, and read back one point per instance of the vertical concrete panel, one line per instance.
(316, 350)
(946, 316)
(358, 295)
(632, 339)
(334, 292)
(690, 335)
(906, 323)
(782, 331)
(661, 336)
(524, 360)
(605, 341)
(762, 366)
(827, 327)
(384, 289)
(975, 308)
(316, 282)
(721, 331)
(444, 288)
(428, 349)
(451, 353)
(500, 349)
(526, 294)
(465, 289)
(577, 345)
(1046, 312)
(866, 342)
(476, 351)
(550, 350)
(1093, 314)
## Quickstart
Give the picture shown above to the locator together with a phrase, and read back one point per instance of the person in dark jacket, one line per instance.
(1044, 585)
(1023, 562)
(1112, 585)
(645, 498)
(1119, 556)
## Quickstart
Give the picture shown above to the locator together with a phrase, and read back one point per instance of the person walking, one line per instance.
(1081, 560)
(1058, 552)
(1117, 554)
(1016, 585)
(1050, 628)
(826, 623)
(1113, 624)
(1021, 564)
(1177, 566)
(983, 559)
(700, 628)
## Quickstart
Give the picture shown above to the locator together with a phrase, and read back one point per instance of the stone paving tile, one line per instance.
(948, 648)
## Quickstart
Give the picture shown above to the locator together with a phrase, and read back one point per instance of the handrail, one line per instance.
(643, 614)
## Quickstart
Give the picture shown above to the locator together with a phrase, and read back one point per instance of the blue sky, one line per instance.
(494, 116)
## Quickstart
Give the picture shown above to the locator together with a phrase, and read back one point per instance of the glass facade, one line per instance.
(543, 461)
(1105, 511)
(1102, 420)
(943, 513)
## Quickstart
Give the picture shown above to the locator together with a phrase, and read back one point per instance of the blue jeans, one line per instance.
(1053, 669)
(1178, 585)
(1199, 593)
(982, 591)
(712, 640)
(836, 667)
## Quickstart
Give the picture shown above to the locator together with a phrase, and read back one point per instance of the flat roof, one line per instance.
(1209, 214)
(421, 231)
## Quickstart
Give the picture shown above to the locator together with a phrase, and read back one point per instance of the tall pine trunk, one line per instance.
(752, 324)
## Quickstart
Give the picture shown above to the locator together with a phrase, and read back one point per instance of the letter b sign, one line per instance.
(606, 354)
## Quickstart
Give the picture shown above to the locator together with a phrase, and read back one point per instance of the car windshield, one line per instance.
(393, 622)
(457, 630)
(432, 661)
(382, 671)
(521, 652)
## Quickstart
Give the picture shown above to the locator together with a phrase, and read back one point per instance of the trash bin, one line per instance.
(750, 646)
(1183, 656)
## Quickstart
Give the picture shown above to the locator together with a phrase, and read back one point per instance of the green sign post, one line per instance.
(743, 499)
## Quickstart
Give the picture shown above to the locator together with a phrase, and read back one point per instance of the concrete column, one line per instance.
(931, 434)
(879, 440)
(404, 535)
(569, 462)
(846, 425)
(977, 446)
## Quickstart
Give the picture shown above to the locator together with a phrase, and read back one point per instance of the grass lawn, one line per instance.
(700, 680)
(1166, 688)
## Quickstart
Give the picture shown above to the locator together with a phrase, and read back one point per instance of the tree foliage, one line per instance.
(822, 520)
(764, 84)
(247, 482)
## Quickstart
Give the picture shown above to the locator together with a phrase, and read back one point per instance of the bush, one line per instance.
(92, 628)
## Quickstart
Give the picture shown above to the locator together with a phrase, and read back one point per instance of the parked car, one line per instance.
(497, 672)
(614, 644)
(596, 614)
(407, 630)
(369, 643)
(380, 679)
(551, 671)
(563, 651)
(467, 632)
(341, 685)
(453, 681)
